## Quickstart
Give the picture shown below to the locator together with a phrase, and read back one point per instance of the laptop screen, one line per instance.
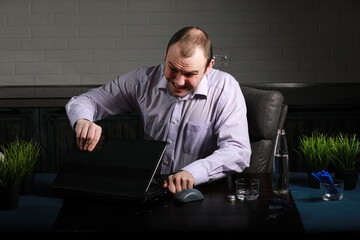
(116, 168)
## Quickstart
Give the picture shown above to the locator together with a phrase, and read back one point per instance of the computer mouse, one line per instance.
(189, 195)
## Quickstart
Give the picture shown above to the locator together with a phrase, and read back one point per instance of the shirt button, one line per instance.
(174, 122)
(170, 142)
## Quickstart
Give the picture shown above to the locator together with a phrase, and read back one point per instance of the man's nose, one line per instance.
(180, 79)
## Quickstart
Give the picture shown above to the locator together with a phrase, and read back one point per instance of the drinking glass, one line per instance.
(247, 188)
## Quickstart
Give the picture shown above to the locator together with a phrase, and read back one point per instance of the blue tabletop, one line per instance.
(36, 212)
(318, 215)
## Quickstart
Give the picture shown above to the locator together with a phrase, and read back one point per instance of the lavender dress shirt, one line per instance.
(206, 131)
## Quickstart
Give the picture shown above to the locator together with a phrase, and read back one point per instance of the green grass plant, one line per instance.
(345, 151)
(315, 151)
(18, 159)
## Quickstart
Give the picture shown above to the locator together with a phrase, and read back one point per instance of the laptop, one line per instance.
(116, 170)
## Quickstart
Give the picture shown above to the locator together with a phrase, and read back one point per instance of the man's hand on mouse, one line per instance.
(179, 181)
(87, 134)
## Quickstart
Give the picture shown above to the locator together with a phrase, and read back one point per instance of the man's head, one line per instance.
(188, 58)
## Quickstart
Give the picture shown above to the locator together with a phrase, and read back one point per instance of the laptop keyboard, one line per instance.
(156, 189)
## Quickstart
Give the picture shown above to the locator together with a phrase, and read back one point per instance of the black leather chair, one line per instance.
(265, 113)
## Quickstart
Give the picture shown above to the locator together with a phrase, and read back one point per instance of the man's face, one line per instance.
(184, 74)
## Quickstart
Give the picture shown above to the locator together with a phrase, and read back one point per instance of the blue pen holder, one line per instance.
(330, 189)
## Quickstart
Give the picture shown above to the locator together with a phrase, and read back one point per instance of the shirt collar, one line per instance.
(163, 83)
(202, 89)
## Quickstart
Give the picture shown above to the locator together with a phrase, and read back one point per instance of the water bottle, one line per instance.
(280, 183)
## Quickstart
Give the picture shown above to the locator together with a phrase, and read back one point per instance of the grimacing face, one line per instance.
(184, 74)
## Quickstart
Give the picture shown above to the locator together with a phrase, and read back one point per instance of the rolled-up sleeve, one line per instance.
(110, 99)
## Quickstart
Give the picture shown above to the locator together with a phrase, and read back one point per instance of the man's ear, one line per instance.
(208, 68)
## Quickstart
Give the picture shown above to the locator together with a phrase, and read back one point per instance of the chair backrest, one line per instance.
(265, 113)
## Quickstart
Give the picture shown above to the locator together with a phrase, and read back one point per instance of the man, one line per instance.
(199, 111)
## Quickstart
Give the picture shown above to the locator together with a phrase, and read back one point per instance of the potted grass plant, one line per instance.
(314, 150)
(31, 151)
(18, 158)
(345, 155)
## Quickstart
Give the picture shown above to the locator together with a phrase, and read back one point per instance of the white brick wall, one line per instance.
(79, 42)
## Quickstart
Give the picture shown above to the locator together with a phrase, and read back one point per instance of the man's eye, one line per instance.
(173, 69)
(189, 74)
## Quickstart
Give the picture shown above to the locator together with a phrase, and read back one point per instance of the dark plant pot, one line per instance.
(349, 176)
(9, 197)
(27, 184)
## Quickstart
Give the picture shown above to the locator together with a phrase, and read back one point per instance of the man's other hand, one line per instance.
(87, 134)
(179, 181)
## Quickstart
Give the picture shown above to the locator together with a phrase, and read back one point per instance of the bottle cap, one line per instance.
(280, 131)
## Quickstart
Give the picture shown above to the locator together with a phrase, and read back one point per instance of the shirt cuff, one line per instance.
(74, 117)
(197, 170)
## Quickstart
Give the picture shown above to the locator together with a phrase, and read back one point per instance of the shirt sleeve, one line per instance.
(234, 151)
(112, 98)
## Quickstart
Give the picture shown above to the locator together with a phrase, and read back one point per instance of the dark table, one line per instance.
(43, 212)
(213, 214)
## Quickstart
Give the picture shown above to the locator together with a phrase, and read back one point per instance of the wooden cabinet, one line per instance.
(40, 114)
(57, 138)
(18, 122)
(51, 127)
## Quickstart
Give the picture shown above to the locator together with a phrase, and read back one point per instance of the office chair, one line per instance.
(265, 113)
